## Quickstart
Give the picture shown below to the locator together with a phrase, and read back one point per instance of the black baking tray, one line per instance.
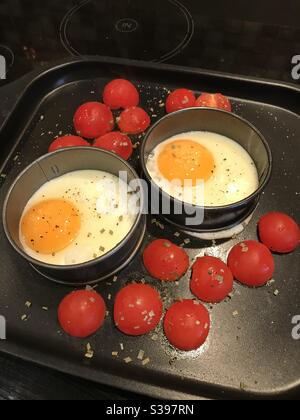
(249, 355)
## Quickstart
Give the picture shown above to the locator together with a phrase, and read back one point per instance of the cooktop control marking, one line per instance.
(127, 25)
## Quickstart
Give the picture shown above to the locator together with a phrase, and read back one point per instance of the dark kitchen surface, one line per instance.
(23, 381)
(257, 39)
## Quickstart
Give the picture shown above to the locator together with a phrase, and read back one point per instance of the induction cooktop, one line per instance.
(258, 38)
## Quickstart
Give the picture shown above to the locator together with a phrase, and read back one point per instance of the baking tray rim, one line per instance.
(151, 390)
(43, 71)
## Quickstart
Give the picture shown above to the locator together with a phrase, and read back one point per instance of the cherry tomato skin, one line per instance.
(251, 263)
(82, 313)
(67, 141)
(93, 120)
(187, 325)
(138, 309)
(121, 93)
(212, 280)
(279, 232)
(216, 100)
(117, 143)
(180, 99)
(134, 120)
(165, 261)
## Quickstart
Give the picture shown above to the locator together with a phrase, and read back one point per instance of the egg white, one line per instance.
(235, 174)
(94, 193)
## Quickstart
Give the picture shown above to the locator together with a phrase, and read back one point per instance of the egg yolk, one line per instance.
(186, 160)
(50, 226)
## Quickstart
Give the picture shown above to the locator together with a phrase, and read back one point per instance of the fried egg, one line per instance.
(76, 218)
(204, 169)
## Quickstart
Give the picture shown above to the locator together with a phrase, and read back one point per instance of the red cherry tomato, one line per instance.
(93, 120)
(187, 325)
(212, 280)
(134, 120)
(138, 309)
(180, 99)
(117, 143)
(121, 93)
(67, 141)
(165, 260)
(251, 263)
(279, 232)
(216, 100)
(82, 313)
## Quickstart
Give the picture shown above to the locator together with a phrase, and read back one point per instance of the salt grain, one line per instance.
(146, 361)
(141, 355)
